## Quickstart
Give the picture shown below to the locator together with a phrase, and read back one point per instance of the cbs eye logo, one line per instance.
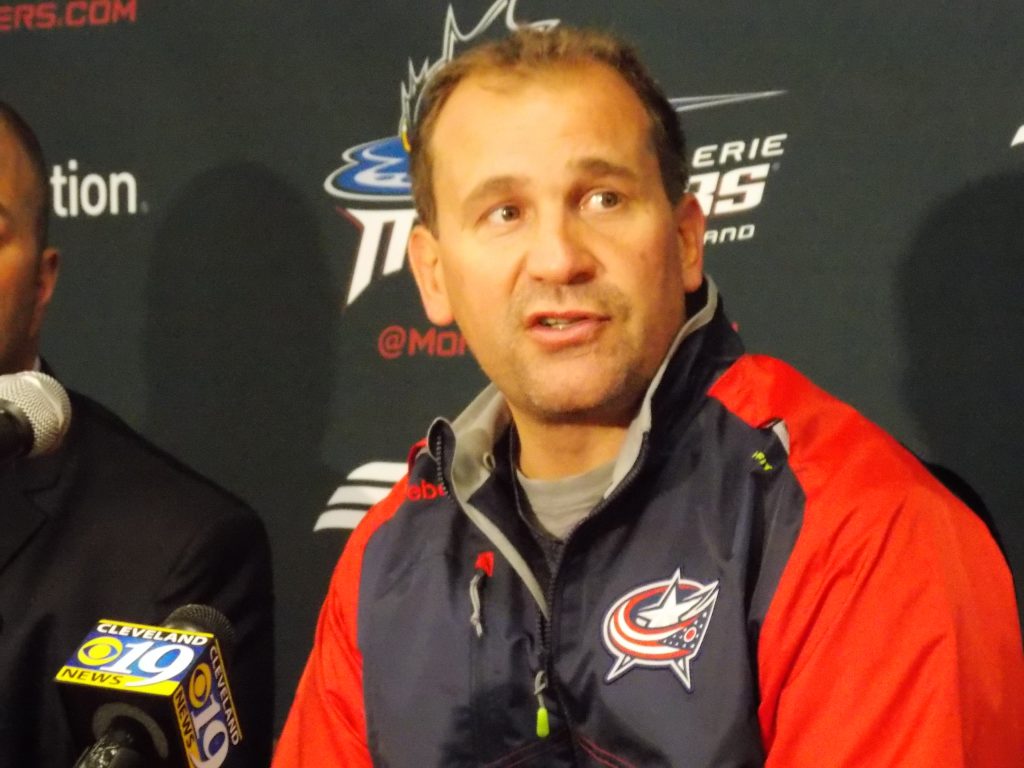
(213, 740)
(100, 651)
(200, 685)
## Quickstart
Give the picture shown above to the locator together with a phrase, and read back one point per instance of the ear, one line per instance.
(46, 280)
(425, 261)
(690, 230)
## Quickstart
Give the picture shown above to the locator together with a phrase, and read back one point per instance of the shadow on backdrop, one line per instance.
(961, 286)
(239, 367)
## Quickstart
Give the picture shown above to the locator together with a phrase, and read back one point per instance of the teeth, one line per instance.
(555, 322)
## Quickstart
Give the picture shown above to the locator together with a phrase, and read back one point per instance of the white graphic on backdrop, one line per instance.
(365, 485)
(693, 103)
(1018, 138)
(93, 194)
(412, 90)
(730, 178)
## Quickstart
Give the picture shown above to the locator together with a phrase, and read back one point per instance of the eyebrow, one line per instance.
(597, 167)
(503, 185)
(494, 186)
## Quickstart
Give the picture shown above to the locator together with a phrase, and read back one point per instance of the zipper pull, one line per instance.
(484, 566)
(540, 683)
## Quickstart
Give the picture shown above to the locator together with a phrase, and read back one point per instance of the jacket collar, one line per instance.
(29, 495)
(478, 427)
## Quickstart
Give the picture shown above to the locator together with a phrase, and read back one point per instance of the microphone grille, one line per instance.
(203, 618)
(45, 404)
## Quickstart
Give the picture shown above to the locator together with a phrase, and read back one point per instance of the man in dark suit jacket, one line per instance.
(108, 526)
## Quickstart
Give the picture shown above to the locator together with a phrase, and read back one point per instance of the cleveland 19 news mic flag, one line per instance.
(159, 695)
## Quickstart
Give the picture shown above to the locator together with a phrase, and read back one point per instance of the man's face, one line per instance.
(27, 276)
(557, 251)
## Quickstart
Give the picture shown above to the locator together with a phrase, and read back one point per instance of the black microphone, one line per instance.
(34, 414)
(139, 696)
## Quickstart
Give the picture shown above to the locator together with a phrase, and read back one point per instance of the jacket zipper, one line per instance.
(542, 626)
(543, 680)
(439, 459)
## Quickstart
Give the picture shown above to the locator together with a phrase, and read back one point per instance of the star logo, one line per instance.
(660, 624)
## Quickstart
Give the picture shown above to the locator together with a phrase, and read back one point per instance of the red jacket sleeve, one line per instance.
(893, 637)
(326, 725)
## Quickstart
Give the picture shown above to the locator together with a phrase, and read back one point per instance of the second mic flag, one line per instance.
(172, 681)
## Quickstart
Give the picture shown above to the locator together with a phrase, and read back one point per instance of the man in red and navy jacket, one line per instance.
(640, 546)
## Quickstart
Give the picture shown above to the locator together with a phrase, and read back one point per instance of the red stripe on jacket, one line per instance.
(326, 725)
(893, 637)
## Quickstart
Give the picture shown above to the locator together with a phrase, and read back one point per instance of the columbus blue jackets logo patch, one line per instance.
(660, 624)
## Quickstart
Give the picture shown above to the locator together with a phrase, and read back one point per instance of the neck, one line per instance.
(552, 451)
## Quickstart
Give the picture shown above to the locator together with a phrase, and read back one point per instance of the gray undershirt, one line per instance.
(556, 506)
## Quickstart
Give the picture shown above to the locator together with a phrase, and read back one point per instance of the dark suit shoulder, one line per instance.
(132, 465)
(121, 529)
(197, 543)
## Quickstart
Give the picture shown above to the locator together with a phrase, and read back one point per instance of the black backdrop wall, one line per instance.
(232, 213)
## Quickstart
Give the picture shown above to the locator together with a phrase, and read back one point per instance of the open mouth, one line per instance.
(558, 322)
(561, 319)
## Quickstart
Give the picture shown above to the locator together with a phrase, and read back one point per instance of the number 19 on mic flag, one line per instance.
(170, 682)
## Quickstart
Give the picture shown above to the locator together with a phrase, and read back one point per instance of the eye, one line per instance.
(504, 214)
(602, 200)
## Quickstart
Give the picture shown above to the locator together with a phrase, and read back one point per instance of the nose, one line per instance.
(558, 252)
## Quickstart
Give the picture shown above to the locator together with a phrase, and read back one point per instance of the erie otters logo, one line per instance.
(660, 624)
(375, 190)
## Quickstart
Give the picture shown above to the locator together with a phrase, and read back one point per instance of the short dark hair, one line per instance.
(530, 50)
(28, 140)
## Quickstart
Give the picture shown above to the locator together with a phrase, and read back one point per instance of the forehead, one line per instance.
(20, 190)
(561, 108)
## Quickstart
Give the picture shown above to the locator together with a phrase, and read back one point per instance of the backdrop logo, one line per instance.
(730, 178)
(1018, 137)
(365, 486)
(661, 624)
(378, 171)
(395, 341)
(73, 14)
(375, 188)
(93, 194)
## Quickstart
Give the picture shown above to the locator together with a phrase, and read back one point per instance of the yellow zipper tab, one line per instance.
(543, 727)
